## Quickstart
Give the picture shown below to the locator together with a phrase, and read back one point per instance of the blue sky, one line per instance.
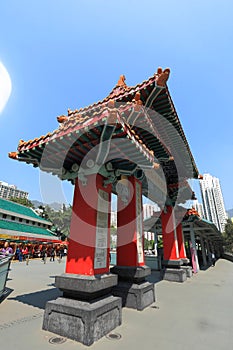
(70, 53)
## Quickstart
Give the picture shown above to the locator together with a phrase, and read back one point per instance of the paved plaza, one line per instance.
(196, 314)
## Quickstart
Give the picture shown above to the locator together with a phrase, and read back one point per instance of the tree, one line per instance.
(23, 201)
(60, 219)
(148, 244)
(160, 242)
(228, 236)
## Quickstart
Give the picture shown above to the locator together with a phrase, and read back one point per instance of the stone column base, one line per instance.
(82, 287)
(87, 311)
(172, 263)
(82, 321)
(135, 296)
(135, 291)
(188, 270)
(174, 275)
(185, 261)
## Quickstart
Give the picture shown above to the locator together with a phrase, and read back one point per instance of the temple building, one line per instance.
(21, 224)
(130, 144)
(201, 238)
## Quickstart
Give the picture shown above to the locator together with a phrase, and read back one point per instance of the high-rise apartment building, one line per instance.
(149, 209)
(198, 207)
(214, 209)
(8, 191)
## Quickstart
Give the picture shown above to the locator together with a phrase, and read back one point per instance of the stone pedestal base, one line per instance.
(136, 293)
(135, 274)
(185, 261)
(172, 263)
(188, 270)
(135, 296)
(82, 321)
(87, 311)
(84, 287)
(174, 275)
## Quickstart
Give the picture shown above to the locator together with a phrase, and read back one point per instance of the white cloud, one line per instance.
(5, 86)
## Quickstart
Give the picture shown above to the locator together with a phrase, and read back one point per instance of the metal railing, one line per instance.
(5, 262)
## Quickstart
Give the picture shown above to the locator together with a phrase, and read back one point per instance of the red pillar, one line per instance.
(180, 239)
(170, 244)
(130, 238)
(89, 242)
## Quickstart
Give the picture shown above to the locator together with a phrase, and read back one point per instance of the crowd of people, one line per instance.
(23, 252)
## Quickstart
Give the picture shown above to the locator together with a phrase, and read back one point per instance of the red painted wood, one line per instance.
(180, 239)
(127, 228)
(81, 252)
(169, 241)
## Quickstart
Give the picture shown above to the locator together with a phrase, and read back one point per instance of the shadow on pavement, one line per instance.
(5, 294)
(38, 299)
(205, 267)
(155, 277)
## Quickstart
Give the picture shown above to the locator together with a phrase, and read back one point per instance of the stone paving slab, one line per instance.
(197, 314)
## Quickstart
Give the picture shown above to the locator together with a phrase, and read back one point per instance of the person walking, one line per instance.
(60, 253)
(44, 255)
(52, 254)
(19, 253)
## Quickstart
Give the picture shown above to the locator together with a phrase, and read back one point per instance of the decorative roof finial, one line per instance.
(137, 98)
(162, 76)
(13, 155)
(21, 142)
(121, 81)
(62, 119)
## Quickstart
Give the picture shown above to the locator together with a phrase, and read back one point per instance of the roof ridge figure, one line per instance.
(121, 81)
(163, 76)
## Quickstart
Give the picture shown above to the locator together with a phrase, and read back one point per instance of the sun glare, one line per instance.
(5, 86)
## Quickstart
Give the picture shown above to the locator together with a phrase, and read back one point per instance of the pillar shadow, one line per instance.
(227, 256)
(205, 267)
(155, 277)
(38, 299)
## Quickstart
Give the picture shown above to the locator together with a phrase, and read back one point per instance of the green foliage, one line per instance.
(228, 236)
(148, 244)
(160, 242)
(113, 230)
(61, 219)
(22, 201)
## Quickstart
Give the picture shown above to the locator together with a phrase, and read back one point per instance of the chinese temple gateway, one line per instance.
(130, 144)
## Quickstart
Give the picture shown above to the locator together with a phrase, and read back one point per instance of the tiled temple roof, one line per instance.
(22, 228)
(138, 114)
(15, 208)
